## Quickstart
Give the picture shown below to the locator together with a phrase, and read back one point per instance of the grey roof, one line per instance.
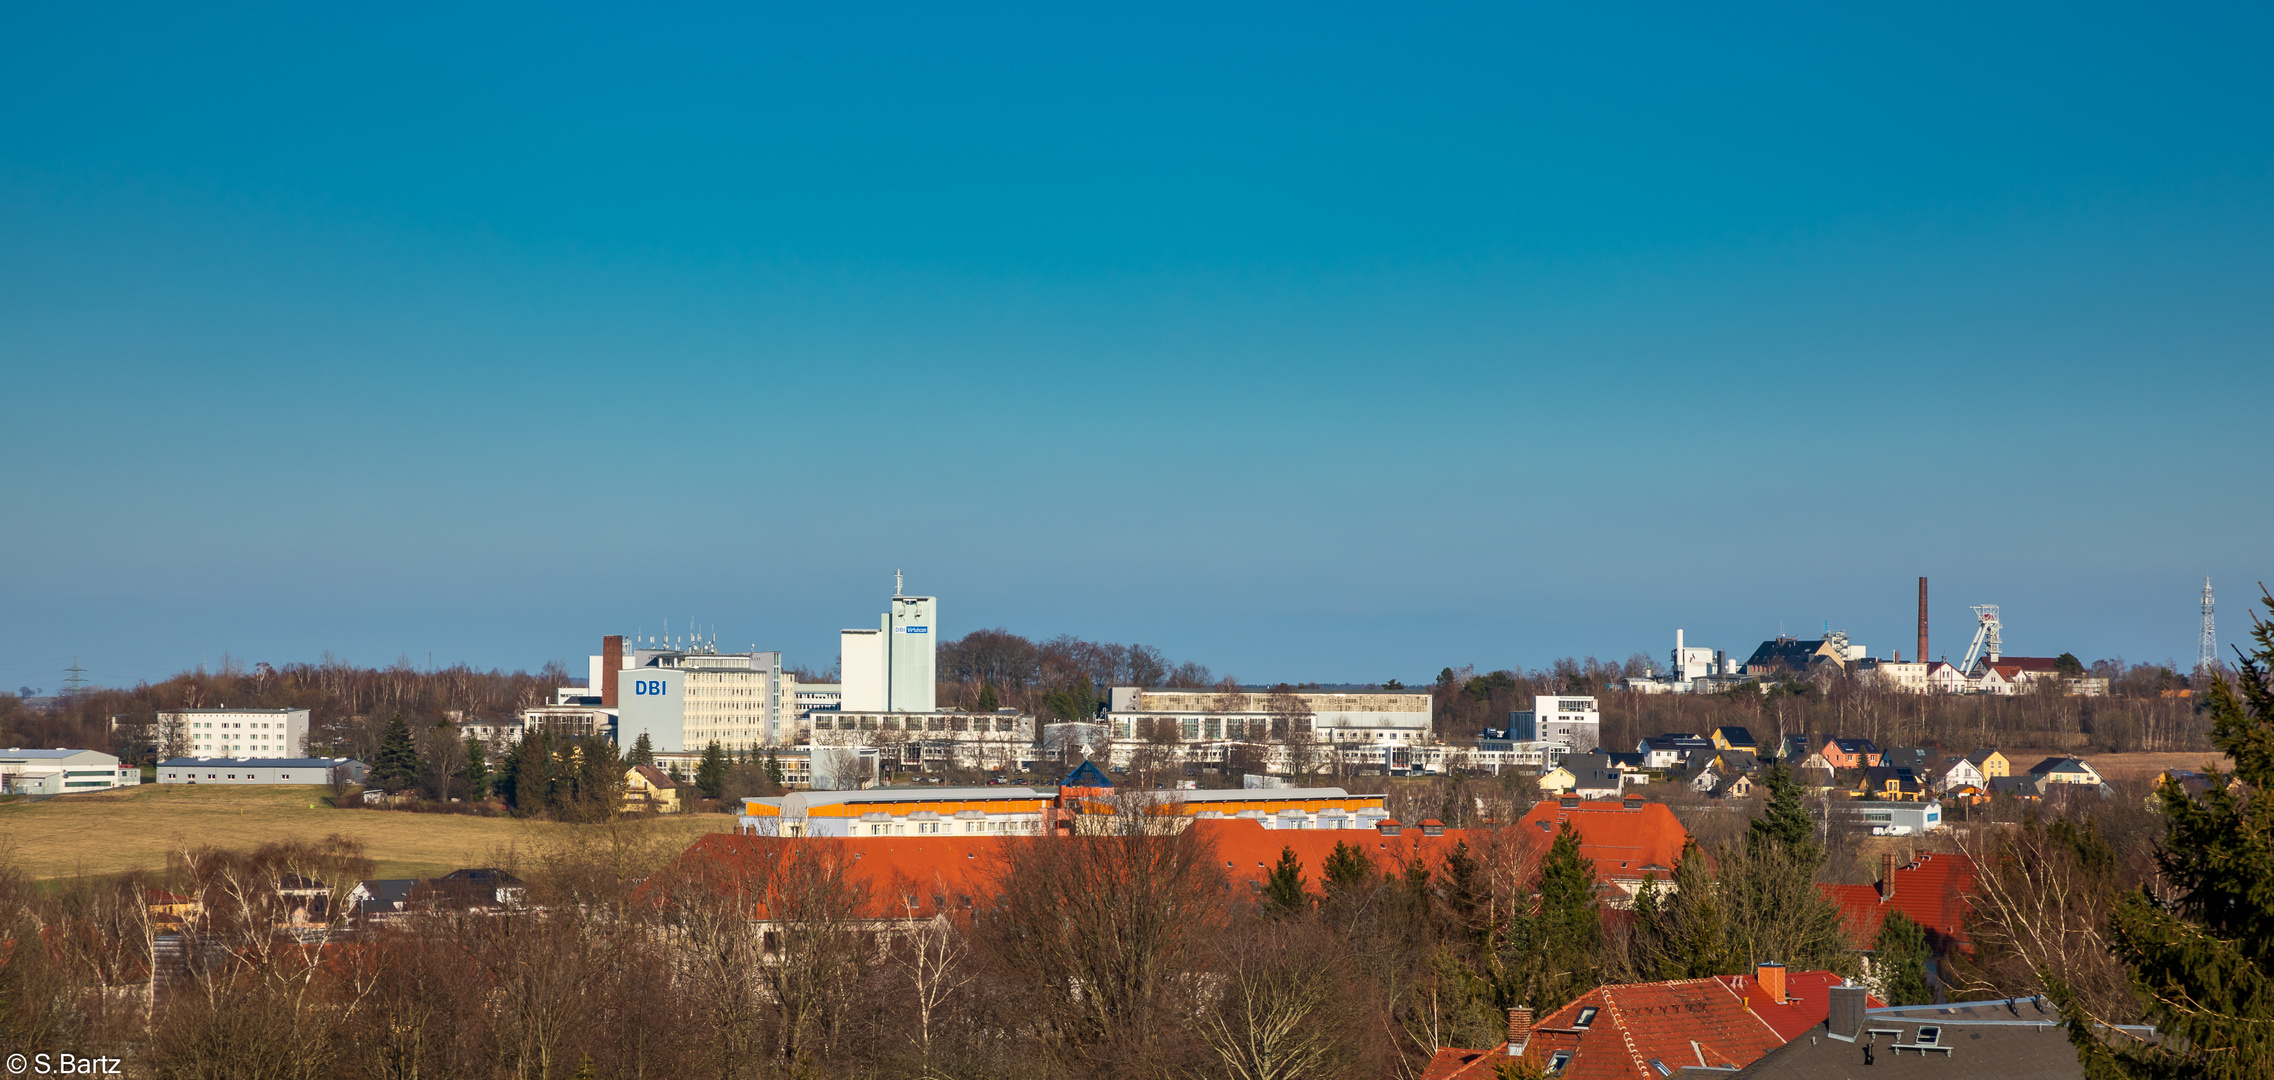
(1997, 1040)
(2057, 764)
(233, 711)
(47, 755)
(387, 895)
(257, 762)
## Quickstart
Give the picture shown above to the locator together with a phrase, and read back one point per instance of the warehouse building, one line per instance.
(61, 772)
(258, 770)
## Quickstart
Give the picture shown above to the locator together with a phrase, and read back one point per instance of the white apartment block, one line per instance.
(235, 732)
(1570, 719)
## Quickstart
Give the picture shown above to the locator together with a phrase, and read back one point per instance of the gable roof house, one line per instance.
(1629, 841)
(2011, 1039)
(1671, 749)
(1850, 753)
(1963, 772)
(2065, 770)
(2020, 787)
(1931, 889)
(1594, 776)
(1786, 656)
(1918, 759)
(1890, 784)
(1735, 738)
(1650, 1031)
(1945, 678)
(649, 788)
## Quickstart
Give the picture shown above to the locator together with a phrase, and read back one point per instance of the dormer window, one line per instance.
(1586, 1017)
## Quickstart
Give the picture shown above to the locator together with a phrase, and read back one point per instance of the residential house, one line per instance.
(1651, 1031)
(1971, 1040)
(1594, 776)
(1671, 749)
(2020, 787)
(1943, 678)
(2065, 770)
(1796, 747)
(1890, 784)
(1991, 763)
(381, 898)
(1962, 773)
(1734, 762)
(1735, 738)
(1740, 786)
(649, 788)
(1701, 775)
(1630, 841)
(1931, 889)
(1557, 780)
(1918, 759)
(1850, 753)
(1789, 656)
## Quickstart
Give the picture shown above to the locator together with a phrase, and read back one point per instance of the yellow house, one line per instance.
(1735, 738)
(649, 788)
(1992, 764)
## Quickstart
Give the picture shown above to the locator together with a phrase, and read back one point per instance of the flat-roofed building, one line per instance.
(1570, 719)
(684, 699)
(257, 770)
(226, 732)
(910, 811)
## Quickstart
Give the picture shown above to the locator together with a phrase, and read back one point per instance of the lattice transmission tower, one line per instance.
(2208, 662)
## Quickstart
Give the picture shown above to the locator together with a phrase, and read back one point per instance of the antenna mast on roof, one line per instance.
(2208, 662)
(896, 582)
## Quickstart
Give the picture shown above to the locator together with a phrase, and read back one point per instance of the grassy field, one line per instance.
(136, 827)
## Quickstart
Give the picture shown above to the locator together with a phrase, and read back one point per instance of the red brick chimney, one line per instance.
(1771, 977)
(1519, 1029)
(611, 662)
(1886, 876)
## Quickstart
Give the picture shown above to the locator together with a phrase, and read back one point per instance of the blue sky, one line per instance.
(1311, 343)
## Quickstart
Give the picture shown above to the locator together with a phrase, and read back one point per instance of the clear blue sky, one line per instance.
(1311, 343)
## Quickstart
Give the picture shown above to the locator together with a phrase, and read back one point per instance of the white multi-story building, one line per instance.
(1307, 731)
(885, 812)
(229, 732)
(1570, 719)
(685, 698)
(996, 740)
(893, 668)
(62, 772)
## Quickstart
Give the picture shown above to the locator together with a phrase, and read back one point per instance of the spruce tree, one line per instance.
(643, 751)
(710, 772)
(1784, 818)
(1283, 891)
(1346, 868)
(1899, 955)
(477, 770)
(2204, 957)
(774, 769)
(398, 762)
(988, 702)
(1571, 923)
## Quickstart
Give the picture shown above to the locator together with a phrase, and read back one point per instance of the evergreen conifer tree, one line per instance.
(710, 772)
(1571, 925)
(397, 763)
(774, 769)
(988, 702)
(643, 751)
(1346, 868)
(477, 770)
(2204, 958)
(1283, 891)
(1899, 957)
(1784, 818)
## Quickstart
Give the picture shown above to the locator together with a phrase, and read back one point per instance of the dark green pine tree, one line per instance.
(2205, 957)
(1347, 869)
(1900, 954)
(397, 764)
(643, 752)
(1283, 891)
(988, 702)
(774, 769)
(710, 772)
(1784, 819)
(477, 770)
(1570, 924)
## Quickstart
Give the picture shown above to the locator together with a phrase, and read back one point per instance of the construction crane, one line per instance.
(1985, 644)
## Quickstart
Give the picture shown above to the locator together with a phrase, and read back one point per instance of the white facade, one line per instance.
(861, 670)
(997, 740)
(236, 732)
(821, 696)
(1894, 818)
(1572, 720)
(201, 770)
(899, 812)
(911, 654)
(62, 772)
(684, 700)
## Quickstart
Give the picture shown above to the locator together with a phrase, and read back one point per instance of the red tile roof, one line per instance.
(1932, 890)
(1722, 1022)
(1624, 843)
(1250, 851)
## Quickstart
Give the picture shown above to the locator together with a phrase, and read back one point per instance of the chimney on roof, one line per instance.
(1886, 876)
(1519, 1029)
(1771, 977)
(1845, 1021)
(1922, 619)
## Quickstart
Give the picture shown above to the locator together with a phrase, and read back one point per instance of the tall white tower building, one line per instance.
(912, 627)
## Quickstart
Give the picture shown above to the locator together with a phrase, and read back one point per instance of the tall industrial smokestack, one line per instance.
(1922, 620)
(611, 661)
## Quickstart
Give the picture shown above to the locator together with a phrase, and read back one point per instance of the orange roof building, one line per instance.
(1931, 889)
(1647, 1031)
(1629, 840)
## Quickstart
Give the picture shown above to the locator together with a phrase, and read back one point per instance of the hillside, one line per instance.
(135, 828)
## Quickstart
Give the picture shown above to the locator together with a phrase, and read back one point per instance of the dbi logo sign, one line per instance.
(648, 687)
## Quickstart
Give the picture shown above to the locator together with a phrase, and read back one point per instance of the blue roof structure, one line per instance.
(1086, 775)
